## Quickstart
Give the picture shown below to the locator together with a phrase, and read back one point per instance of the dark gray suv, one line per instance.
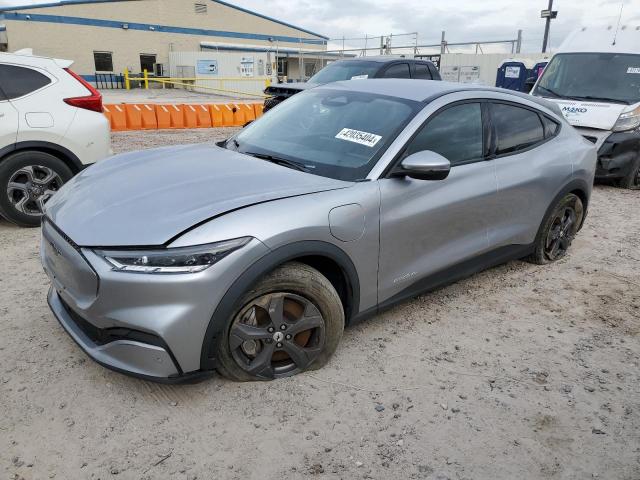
(383, 66)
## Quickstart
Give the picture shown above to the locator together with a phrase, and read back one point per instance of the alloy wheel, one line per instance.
(561, 233)
(30, 187)
(277, 335)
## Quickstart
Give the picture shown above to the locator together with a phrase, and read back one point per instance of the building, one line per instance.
(103, 36)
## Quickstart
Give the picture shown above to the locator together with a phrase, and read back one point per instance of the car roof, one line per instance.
(383, 59)
(425, 90)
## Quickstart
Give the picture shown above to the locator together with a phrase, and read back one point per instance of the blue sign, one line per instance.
(207, 67)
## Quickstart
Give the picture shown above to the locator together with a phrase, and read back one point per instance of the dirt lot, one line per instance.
(518, 372)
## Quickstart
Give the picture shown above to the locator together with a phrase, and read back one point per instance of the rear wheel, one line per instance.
(27, 180)
(632, 180)
(291, 321)
(558, 230)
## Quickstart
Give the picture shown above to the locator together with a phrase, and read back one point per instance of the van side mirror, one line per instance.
(424, 165)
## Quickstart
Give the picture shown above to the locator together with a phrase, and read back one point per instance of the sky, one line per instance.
(463, 20)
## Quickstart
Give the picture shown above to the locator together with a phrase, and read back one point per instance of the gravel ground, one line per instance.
(521, 371)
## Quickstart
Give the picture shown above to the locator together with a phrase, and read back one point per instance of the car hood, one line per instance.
(590, 114)
(147, 198)
(289, 88)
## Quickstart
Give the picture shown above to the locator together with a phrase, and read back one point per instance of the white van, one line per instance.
(595, 80)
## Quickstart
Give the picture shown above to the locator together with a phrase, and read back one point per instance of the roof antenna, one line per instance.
(615, 35)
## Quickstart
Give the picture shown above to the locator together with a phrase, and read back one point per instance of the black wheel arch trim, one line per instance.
(263, 266)
(575, 185)
(72, 160)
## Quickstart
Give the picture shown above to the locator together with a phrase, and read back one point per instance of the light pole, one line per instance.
(548, 14)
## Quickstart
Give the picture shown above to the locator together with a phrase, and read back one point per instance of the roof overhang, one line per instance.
(60, 3)
(284, 52)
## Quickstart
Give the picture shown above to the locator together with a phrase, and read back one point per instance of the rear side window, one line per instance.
(550, 127)
(401, 70)
(434, 72)
(516, 128)
(19, 81)
(455, 133)
(422, 72)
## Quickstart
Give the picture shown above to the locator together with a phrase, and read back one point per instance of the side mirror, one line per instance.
(424, 165)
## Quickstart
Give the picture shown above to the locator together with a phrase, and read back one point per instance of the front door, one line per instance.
(428, 226)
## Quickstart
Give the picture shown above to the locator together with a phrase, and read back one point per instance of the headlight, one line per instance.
(171, 260)
(627, 121)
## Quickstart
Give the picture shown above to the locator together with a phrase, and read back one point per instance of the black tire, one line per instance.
(21, 202)
(632, 180)
(558, 230)
(255, 323)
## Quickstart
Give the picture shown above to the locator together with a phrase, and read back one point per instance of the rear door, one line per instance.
(396, 70)
(530, 169)
(428, 226)
(39, 106)
(421, 71)
(8, 120)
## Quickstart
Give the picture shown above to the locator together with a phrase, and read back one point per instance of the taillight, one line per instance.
(89, 102)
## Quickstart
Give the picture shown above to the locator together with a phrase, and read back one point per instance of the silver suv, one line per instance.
(249, 257)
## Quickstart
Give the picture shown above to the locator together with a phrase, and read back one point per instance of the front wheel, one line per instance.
(27, 180)
(558, 230)
(291, 321)
(632, 180)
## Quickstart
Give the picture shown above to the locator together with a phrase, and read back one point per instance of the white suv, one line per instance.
(51, 127)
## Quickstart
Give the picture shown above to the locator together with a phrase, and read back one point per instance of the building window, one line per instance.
(147, 62)
(103, 61)
(200, 7)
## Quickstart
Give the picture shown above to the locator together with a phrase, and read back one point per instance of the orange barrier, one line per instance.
(249, 112)
(216, 115)
(177, 116)
(238, 115)
(107, 113)
(117, 117)
(149, 121)
(134, 116)
(257, 108)
(203, 116)
(130, 116)
(163, 116)
(190, 116)
(227, 116)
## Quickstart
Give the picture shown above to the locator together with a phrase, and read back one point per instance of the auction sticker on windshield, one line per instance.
(363, 138)
(633, 70)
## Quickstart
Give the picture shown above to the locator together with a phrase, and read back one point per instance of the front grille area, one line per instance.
(590, 138)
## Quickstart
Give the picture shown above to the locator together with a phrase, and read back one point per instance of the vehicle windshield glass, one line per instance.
(333, 133)
(592, 76)
(345, 70)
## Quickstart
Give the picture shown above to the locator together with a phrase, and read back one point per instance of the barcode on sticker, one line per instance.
(633, 70)
(363, 138)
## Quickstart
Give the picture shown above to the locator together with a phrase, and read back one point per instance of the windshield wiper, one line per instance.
(601, 99)
(279, 161)
(552, 92)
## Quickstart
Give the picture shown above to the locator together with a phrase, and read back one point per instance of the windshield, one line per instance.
(333, 133)
(611, 77)
(345, 70)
